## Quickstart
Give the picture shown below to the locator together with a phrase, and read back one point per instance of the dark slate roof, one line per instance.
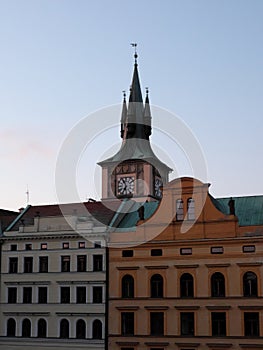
(6, 217)
(98, 210)
(248, 209)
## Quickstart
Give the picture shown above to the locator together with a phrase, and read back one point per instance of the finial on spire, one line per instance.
(124, 95)
(147, 91)
(135, 51)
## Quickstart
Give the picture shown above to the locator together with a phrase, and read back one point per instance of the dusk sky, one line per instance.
(62, 60)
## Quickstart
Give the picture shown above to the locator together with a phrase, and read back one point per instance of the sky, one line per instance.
(63, 60)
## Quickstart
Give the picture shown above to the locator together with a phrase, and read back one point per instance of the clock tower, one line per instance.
(134, 171)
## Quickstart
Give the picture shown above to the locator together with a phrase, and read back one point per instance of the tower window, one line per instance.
(179, 210)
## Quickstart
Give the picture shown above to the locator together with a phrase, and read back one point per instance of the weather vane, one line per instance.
(135, 51)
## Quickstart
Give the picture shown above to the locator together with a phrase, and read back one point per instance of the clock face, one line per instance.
(126, 185)
(158, 184)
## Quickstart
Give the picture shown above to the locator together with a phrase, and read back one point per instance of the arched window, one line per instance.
(190, 209)
(11, 328)
(156, 286)
(179, 210)
(97, 329)
(187, 285)
(250, 284)
(218, 285)
(64, 328)
(42, 328)
(127, 286)
(26, 328)
(81, 329)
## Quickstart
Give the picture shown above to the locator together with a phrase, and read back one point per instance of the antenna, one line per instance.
(27, 195)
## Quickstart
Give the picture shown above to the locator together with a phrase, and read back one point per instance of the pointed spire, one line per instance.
(147, 118)
(123, 114)
(135, 94)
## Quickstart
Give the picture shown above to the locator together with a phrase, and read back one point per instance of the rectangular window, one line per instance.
(97, 244)
(81, 245)
(186, 251)
(157, 323)
(251, 320)
(217, 250)
(42, 295)
(43, 264)
(249, 249)
(179, 210)
(13, 265)
(27, 295)
(81, 263)
(28, 264)
(13, 247)
(156, 252)
(65, 295)
(28, 246)
(65, 263)
(43, 246)
(127, 253)
(127, 323)
(65, 245)
(218, 324)
(97, 262)
(81, 295)
(187, 323)
(97, 295)
(12, 295)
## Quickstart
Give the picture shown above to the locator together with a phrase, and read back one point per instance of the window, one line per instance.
(43, 264)
(218, 324)
(43, 246)
(11, 328)
(156, 252)
(27, 295)
(65, 295)
(186, 251)
(97, 244)
(64, 329)
(156, 286)
(251, 320)
(97, 329)
(13, 247)
(217, 250)
(187, 286)
(42, 295)
(13, 264)
(157, 323)
(250, 284)
(81, 263)
(190, 209)
(28, 246)
(81, 295)
(187, 323)
(97, 295)
(127, 253)
(81, 329)
(127, 323)
(97, 262)
(28, 264)
(81, 245)
(217, 285)
(12, 295)
(65, 263)
(26, 328)
(179, 210)
(65, 245)
(41, 328)
(249, 249)
(127, 286)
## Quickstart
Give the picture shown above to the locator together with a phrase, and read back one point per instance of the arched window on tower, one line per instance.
(250, 284)
(156, 286)
(42, 328)
(179, 210)
(187, 285)
(64, 329)
(81, 329)
(11, 328)
(26, 328)
(97, 329)
(190, 209)
(127, 286)
(217, 285)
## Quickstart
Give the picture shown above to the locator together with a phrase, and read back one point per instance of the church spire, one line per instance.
(147, 115)
(123, 116)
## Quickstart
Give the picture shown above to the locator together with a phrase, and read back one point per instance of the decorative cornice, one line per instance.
(184, 266)
(135, 308)
(187, 307)
(156, 307)
(219, 345)
(218, 307)
(248, 264)
(157, 267)
(127, 268)
(217, 265)
(250, 307)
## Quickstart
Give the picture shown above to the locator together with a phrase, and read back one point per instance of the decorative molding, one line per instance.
(187, 345)
(157, 267)
(250, 307)
(187, 307)
(135, 308)
(183, 266)
(218, 265)
(156, 343)
(127, 268)
(219, 345)
(249, 264)
(218, 307)
(156, 307)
